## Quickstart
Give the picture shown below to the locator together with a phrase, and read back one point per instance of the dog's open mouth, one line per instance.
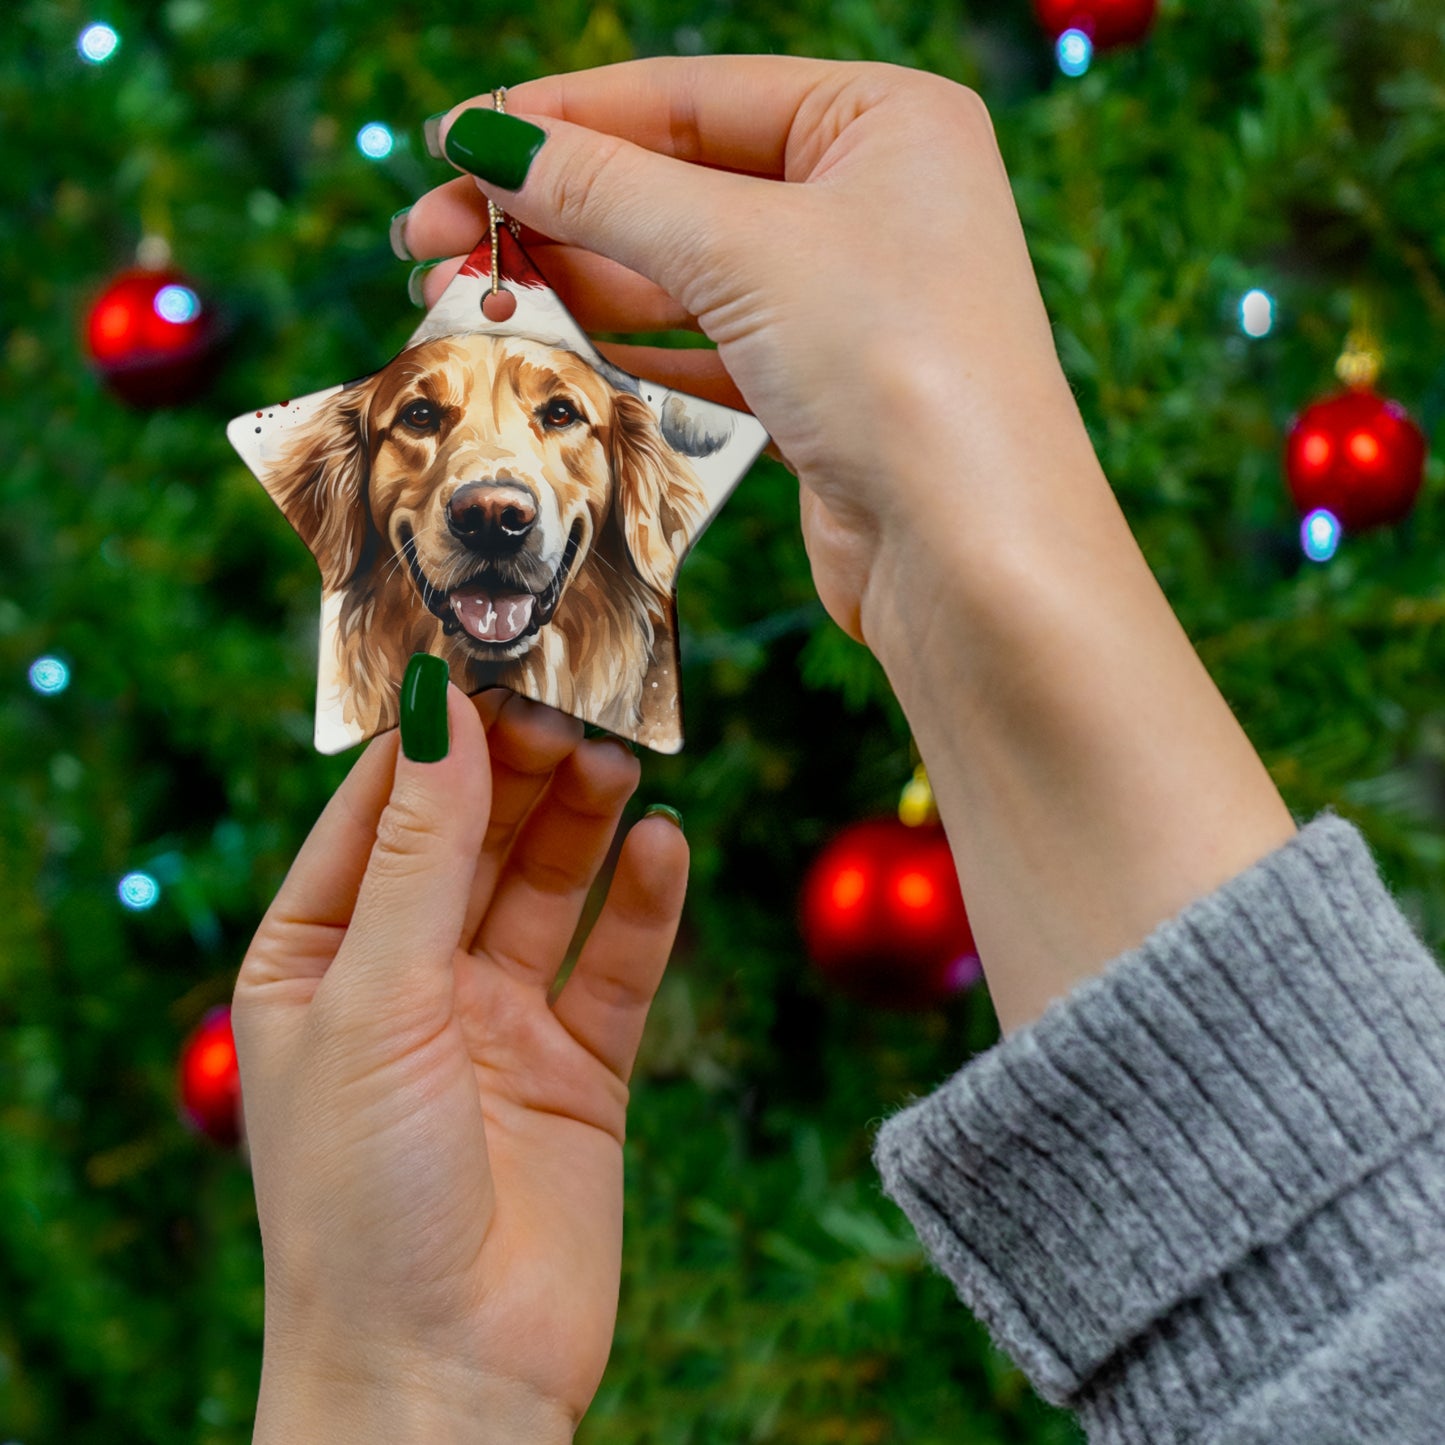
(488, 606)
(492, 616)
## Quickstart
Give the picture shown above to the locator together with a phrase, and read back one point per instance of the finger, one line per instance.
(425, 286)
(298, 938)
(597, 292)
(452, 219)
(605, 1000)
(697, 370)
(395, 965)
(735, 111)
(652, 214)
(606, 296)
(489, 703)
(526, 741)
(300, 932)
(556, 855)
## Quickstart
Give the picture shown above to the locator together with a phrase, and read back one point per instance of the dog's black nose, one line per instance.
(491, 516)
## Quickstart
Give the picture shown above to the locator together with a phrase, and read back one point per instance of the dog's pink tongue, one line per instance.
(494, 617)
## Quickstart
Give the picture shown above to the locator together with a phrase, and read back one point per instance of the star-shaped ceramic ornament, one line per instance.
(503, 497)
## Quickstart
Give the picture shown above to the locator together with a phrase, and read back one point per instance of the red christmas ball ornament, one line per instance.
(1357, 455)
(1107, 23)
(883, 917)
(152, 338)
(210, 1081)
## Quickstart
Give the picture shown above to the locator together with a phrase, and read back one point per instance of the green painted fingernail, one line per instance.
(498, 148)
(414, 290)
(424, 736)
(662, 810)
(431, 133)
(397, 234)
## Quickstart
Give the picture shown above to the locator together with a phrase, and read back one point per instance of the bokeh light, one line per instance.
(1364, 448)
(49, 675)
(138, 891)
(1320, 535)
(177, 304)
(914, 889)
(1256, 313)
(375, 141)
(1075, 52)
(97, 43)
(849, 887)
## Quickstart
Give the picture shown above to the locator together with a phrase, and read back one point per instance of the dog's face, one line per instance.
(490, 473)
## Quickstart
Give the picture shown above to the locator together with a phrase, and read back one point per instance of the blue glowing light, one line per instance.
(177, 304)
(97, 43)
(138, 891)
(375, 141)
(1256, 313)
(1320, 535)
(49, 675)
(1075, 52)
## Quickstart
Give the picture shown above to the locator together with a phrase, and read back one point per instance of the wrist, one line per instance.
(984, 526)
(1092, 778)
(399, 1402)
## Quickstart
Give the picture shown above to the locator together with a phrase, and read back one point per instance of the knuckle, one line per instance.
(973, 111)
(614, 991)
(551, 876)
(406, 833)
(576, 194)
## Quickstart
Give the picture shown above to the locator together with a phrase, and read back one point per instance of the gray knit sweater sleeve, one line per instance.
(1202, 1199)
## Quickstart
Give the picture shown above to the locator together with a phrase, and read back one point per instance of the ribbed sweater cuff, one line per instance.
(1195, 1115)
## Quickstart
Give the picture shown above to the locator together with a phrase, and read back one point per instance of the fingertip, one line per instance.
(489, 703)
(659, 849)
(610, 765)
(664, 810)
(467, 729)
(539, 727)
(440, 730)
(436, 278)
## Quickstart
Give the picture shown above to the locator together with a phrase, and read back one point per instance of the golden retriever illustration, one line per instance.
(498, 502)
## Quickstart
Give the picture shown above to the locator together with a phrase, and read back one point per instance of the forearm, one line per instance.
(1092, 779)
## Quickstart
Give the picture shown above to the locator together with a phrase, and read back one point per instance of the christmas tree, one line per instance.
(158, 636)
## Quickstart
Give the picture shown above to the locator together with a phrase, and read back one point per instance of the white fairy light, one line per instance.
(375, 141)
(97, 43)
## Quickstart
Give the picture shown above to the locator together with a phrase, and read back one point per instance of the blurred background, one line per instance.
(1222, 199)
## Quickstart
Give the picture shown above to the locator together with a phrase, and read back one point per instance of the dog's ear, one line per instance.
(659, 500)
(688, 425)
(320, 484)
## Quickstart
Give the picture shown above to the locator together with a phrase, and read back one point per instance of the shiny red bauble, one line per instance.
(1107, 23)
(210, 1081)
(152, 338)
(883, 917)
(1357, 455)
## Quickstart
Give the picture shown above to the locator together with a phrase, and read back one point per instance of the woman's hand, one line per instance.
(879, 314)
(848, 237)
(437, 1148)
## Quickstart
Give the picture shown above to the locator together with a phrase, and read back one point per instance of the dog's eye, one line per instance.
(421, 416)
(559, 413)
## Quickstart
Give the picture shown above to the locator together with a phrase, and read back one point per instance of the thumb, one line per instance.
(395, 962)
(666, 219)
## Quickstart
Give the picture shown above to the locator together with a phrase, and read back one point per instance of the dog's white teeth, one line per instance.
(493, 619)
